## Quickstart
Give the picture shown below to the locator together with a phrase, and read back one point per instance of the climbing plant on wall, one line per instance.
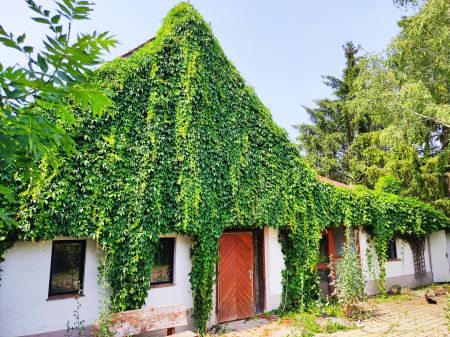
(189, 148)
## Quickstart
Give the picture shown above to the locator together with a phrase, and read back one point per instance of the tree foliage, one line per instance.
(327, 142)
(398, 110)
(38, 101)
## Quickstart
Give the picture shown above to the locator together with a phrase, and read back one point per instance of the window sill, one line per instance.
(63, 296)
(162, 285)
(393, 260)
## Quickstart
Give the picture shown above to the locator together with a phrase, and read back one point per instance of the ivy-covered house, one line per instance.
(190, 193)
(409, 261)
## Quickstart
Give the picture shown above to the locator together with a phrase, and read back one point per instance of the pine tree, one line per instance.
(326, 142)
(390, 114)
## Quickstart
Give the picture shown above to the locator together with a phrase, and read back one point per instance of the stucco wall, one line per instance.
(448, 248)
(180, 291)
(24, 308)
(274, 264)
(439, 261)
(398, 271)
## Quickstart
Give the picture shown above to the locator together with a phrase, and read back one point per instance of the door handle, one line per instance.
(250, 274)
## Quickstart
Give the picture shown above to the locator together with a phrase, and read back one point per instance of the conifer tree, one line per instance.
(390, 115)
(326, 142)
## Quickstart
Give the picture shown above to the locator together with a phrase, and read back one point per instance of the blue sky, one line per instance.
(281, 47)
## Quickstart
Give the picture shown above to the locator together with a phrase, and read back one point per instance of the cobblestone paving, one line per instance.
(410, 318)
(256, 327)
(414, 318)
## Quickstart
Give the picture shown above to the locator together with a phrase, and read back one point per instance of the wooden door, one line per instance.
(236, 276)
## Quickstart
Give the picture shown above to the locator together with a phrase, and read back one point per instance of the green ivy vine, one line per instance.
(190, 149)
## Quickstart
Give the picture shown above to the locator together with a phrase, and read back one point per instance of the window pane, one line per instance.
(162, 271)
(338, 234)
(324, 255)
(392, 249)
(324, 281)
(67, 267)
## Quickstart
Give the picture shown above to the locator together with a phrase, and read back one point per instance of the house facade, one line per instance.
(191, 150)
(248, 280)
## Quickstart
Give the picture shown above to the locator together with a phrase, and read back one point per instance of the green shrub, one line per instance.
(348, 279)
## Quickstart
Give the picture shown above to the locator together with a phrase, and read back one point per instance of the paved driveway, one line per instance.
(407, 318)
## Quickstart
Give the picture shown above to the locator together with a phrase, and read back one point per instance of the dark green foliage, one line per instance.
(327, 142)
(38, 100)
(390, 115)
(189, 148)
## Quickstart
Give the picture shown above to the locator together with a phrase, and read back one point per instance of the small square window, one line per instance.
(392, 249)
(67, 267)
(162, 271)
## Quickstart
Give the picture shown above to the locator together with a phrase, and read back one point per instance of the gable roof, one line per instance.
(187, 133)
(132, 51)
(334, 182)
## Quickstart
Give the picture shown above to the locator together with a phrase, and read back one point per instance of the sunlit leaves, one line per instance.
(190, 149)
(38, 101)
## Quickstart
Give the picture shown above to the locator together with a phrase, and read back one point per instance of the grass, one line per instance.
(307, 324)
(385, 298)
(316, 320)
(405, 294)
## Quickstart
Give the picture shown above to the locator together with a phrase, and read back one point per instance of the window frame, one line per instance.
(81, 270)
(172, 269)
(390, 250)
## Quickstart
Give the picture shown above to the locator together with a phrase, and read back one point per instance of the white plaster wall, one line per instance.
(448, 248)
(274, 264)
(180, 291)
(399, 271)
(438, 247)
(24, 308)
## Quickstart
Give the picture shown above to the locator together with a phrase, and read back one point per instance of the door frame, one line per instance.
(262, 278)
(332, 256)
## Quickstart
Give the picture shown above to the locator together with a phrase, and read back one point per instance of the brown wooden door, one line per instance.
(236, 276)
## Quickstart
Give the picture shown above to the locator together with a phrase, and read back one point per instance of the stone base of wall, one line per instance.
(63, 333)
(407, 281)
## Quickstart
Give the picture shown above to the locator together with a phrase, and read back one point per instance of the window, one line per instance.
(339, 240)
(162, 271)
(392, 249)
(67, 267)
(324, 254)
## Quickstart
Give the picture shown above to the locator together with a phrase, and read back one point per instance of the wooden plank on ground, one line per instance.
(185, 334)
(134, 322)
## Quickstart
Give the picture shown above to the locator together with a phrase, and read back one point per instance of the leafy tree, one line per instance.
(407, 3)
(39, 100)
(326, 143)
(406, 92)
(388, 184)
(399, 113)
